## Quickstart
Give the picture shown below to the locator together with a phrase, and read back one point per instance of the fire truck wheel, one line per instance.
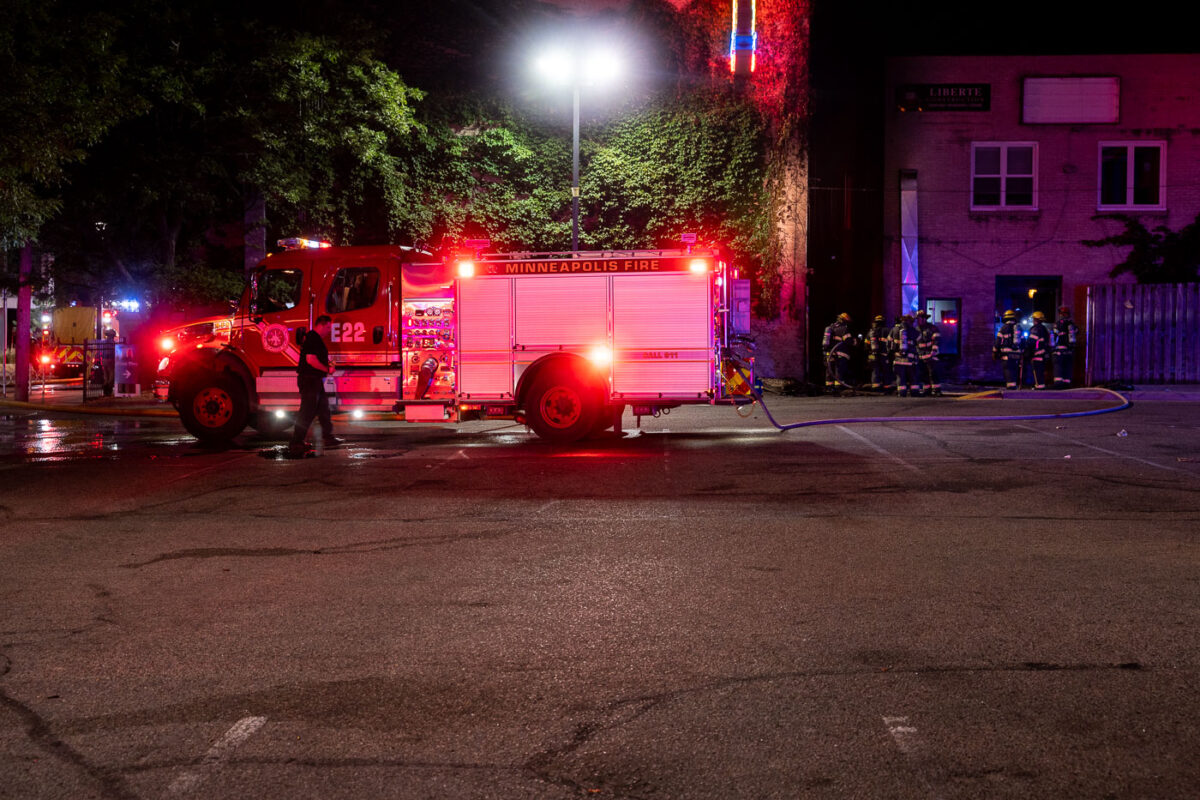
(561, 406)
(213, 408)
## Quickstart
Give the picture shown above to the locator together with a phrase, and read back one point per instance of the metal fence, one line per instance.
(1143, 333)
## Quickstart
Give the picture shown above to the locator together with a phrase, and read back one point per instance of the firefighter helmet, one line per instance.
(906, 319)
(1010, 315)
(1064, 311)
(922, 313)
(844, 317)
(879, 318)
(1038, 316)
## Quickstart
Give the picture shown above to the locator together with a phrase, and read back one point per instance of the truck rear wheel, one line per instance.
(213, 407)
(562, 406)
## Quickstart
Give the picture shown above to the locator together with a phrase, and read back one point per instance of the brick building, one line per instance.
(996, 169)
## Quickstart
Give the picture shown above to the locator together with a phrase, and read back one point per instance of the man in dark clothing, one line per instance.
(310, 377)
(108, 360)
(1065, 335)
(1008, 349)
(877, 354)
(929, 344)
(1039, 347)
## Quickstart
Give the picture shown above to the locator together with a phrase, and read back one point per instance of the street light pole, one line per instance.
(579, 69)
(575, 171)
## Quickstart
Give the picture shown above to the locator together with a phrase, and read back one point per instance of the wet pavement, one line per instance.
(705, 608)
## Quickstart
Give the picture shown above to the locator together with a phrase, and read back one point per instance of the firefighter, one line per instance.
(906, 357)
(836, 345)
(929, 344)
(893, 344)
(311, 370)
(1038, 347)
(878, 353)
(1007, 348)
(1065, 334)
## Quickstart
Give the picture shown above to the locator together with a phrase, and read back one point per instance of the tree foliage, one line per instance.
(61, 91)
(233, 106)
(1157, 255)
(221, 102)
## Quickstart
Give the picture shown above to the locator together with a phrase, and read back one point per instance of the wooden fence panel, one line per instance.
(1143, 333)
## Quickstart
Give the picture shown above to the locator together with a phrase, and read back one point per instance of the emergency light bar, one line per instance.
(297, 243)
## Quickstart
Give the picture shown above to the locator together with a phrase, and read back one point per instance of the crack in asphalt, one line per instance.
(619, 713)
(543, 765)
(376, 546)
(39, 732)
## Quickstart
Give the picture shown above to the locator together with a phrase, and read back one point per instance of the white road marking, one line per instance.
(905, 735)
(880, 450)
(242, 730)
(1104, 450)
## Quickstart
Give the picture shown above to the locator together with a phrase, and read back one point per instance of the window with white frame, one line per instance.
(1133, 175)
(1003, 175)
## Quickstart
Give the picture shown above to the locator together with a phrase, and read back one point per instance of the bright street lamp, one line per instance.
(595, 67)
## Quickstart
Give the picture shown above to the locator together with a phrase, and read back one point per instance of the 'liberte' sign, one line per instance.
(944, 97)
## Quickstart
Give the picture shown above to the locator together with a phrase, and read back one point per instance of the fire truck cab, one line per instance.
(561, 341)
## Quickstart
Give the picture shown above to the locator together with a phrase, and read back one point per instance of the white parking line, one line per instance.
(1103, 450)
(904, 734)
(881, 450)
(909, 742)
(242, 730)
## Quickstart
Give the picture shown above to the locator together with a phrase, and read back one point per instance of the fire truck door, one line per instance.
(280, 309)
(360, 298)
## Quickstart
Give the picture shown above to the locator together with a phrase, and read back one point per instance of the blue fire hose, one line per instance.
(1124, 404)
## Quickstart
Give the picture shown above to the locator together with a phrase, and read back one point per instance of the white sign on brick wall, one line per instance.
(1071, 100)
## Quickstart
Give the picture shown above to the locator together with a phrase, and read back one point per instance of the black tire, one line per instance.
(562, 406)
(213, 407)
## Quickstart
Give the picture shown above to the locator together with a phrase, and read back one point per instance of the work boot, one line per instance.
(332, 441)
(297, 449)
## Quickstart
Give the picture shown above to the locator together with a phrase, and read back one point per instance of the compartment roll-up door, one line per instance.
(569, 311)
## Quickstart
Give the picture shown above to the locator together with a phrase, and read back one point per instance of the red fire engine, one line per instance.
(561, 341)
(59, 351)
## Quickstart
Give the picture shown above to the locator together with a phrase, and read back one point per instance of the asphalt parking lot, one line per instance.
(705, 608)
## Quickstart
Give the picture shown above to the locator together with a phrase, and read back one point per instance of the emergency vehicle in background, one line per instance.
(560, 341)
(64, 331)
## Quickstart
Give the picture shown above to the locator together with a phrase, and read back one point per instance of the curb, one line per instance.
(111, 411)
(167, 413)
